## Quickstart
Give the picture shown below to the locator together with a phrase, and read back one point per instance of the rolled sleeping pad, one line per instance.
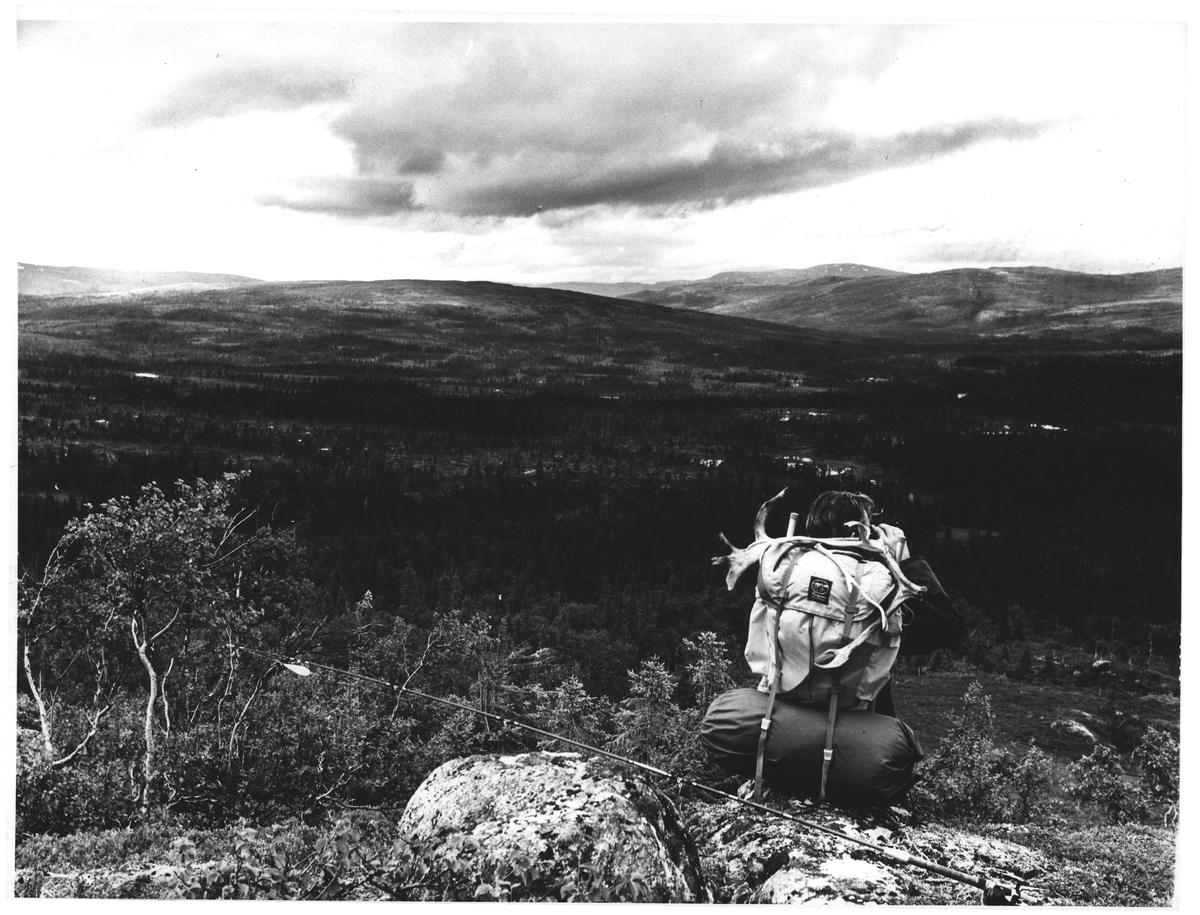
(873, 755)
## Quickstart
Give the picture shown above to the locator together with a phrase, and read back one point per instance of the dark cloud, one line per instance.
(733, 171)
(354, 198)
(235, 88)
(423, 162)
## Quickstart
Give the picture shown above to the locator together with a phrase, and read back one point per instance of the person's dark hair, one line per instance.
(829, 512)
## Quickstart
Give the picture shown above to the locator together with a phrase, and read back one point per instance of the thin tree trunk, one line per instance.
(148, 763)
(43, 714)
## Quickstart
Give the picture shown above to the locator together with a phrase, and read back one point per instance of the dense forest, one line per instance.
(1045, 491)
(527, 534)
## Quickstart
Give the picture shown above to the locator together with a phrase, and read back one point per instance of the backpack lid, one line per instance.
(811, 578)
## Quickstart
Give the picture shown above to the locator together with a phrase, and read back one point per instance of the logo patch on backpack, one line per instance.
(819, 590)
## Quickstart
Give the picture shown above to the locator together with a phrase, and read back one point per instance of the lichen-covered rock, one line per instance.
(749, 857)
(843, 879)
(550, 826)
(156, 882)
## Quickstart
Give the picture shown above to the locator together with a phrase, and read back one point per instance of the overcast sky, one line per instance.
(539, 152)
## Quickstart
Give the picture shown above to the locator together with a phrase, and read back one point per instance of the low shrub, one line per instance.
(969, 777)
(142, 845)
(1100, 780)
(1158, 758)
(1102, 865)
(1029, 786)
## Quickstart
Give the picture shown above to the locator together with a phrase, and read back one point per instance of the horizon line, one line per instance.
(553, 283)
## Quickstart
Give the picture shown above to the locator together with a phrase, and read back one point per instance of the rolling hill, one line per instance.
(41, 279)
(1019, 304)
(477, 325)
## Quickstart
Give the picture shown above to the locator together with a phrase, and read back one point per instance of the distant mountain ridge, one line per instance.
(955, 305)
(1017, 305)
(749, 277)
(43, 279)
(805, 274)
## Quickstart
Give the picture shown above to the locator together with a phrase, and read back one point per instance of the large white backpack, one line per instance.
(811, 601)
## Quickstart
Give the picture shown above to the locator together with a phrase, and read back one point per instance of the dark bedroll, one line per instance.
(873, 755)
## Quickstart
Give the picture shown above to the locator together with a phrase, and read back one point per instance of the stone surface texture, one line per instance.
(748, 857)
(568, 823)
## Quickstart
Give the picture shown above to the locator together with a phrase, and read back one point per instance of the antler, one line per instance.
(739, 560)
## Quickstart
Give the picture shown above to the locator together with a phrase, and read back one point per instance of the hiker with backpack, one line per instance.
(832, 610)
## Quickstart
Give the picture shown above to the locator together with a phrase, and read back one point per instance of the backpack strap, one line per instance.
(837, 689)
(855, 585)
(776, 673)
(765, 726)
(827, 753)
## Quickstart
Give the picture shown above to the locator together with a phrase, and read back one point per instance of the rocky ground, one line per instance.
(750, 857)
(562, 826)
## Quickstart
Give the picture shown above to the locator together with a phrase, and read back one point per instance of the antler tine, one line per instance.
(908, 589)
(760, 520)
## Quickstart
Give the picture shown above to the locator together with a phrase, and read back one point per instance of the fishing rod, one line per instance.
(994, 892)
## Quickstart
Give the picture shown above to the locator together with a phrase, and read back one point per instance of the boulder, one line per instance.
(748, 857)
(550, 826)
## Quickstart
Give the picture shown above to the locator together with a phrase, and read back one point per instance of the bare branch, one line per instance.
(244, 516)
(431, 642)
(224, 556)
(165, 704)
(342, 779)
(245, 708)
(170, 623)
(51, 563)
(59, 763)
(70, 664)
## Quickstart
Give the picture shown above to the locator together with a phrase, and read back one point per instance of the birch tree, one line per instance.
(140, 589)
